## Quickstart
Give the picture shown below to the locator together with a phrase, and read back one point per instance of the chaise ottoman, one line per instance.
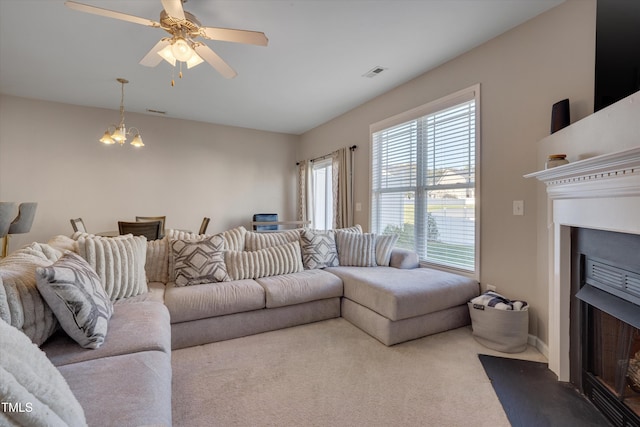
(396, 305)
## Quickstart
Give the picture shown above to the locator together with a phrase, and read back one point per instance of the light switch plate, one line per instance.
(518, 207)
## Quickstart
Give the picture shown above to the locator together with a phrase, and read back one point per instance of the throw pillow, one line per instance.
(282, 259)
(254, 241)
(27, 377)
(199, 261)
(356, 249)
(118, 261)
(384, 246)
(74, 292)
(156, 266)
(21, 305)
(318, 248)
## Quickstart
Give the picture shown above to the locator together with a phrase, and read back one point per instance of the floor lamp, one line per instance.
(10, 223)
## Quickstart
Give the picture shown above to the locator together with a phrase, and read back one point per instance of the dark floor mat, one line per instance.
(531, 395)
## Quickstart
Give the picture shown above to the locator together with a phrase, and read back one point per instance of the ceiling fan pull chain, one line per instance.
(180, 73)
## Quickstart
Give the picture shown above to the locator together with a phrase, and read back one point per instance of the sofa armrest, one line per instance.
(404, 258)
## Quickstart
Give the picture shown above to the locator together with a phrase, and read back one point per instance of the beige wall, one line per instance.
(522, 73)
(49, 153)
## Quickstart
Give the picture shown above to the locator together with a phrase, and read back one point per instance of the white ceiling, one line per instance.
(310, 72)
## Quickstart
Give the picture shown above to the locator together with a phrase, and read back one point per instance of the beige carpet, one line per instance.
(331, 373)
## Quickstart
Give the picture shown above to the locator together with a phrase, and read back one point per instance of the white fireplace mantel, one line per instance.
(601, 192)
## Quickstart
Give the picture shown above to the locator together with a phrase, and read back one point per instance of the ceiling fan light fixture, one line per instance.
(181, 50)
(167, 55)
(194, 60)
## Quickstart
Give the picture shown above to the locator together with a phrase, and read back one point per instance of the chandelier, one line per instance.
(120, 131)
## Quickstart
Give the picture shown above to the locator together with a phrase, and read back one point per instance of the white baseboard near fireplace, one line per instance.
(602, 193)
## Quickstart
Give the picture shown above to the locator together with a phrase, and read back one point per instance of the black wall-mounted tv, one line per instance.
(617, 51)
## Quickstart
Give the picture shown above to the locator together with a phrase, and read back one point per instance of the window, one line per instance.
(321, 181)
(424, 180)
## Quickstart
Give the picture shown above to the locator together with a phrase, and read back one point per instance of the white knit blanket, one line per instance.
(21, 305)
(32, 391)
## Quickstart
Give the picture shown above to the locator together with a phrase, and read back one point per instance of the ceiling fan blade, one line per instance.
(215, 61)
(152, 58)
(236, 36)
(173, 8)
(110, 14)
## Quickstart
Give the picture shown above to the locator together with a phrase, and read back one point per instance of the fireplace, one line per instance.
(600, 193)
(605, 322)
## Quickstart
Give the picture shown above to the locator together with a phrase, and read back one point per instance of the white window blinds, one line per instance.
(424, 180)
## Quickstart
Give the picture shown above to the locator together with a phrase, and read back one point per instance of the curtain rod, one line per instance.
(352, 148)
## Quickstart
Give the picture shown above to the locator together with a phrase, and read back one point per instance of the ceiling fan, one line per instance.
(184, 29)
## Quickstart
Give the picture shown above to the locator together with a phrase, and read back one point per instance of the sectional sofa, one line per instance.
(195, 289)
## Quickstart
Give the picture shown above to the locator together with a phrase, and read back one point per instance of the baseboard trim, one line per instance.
(539, 345)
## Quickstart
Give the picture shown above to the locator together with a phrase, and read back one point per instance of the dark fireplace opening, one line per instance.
(605, 322)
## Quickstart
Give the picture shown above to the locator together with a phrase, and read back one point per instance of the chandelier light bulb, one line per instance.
(181, 50)
(137, 141)
(106, 138)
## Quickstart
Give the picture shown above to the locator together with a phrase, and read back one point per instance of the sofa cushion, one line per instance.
(356, 249)
(74, 292)
(133, 328)
(21, 304)
(199, 261)
(297, 288)
(213, 299)
(399, 294)
(254, 241)
(282, 259)
(128, 390)
(119, 262)
(28, 379)
(155, 294)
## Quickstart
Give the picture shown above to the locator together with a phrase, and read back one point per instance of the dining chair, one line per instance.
(204, 225)
(154, 218)
(78, 225)
(149, 229)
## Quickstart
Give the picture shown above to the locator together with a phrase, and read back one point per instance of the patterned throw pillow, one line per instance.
(356, 249)
(384, 246)
(199, 261)
(282, 259)
(318, 248)
(74, 292)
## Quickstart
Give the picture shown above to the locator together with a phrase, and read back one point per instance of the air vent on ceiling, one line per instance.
(156, 111)
(374, 72)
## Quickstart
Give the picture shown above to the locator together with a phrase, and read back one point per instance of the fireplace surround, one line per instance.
(601, 193)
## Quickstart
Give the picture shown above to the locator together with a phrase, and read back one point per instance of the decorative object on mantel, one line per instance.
(556, 160)
(10, 223)
(120, 132)
(560, 115)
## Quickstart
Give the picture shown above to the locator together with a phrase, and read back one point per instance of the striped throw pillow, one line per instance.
(118, 261)
(255, 241)
(356, 249)
(384, 246)
(282, 259)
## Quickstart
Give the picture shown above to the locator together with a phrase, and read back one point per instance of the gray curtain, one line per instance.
(342, 188)
(304, 191)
